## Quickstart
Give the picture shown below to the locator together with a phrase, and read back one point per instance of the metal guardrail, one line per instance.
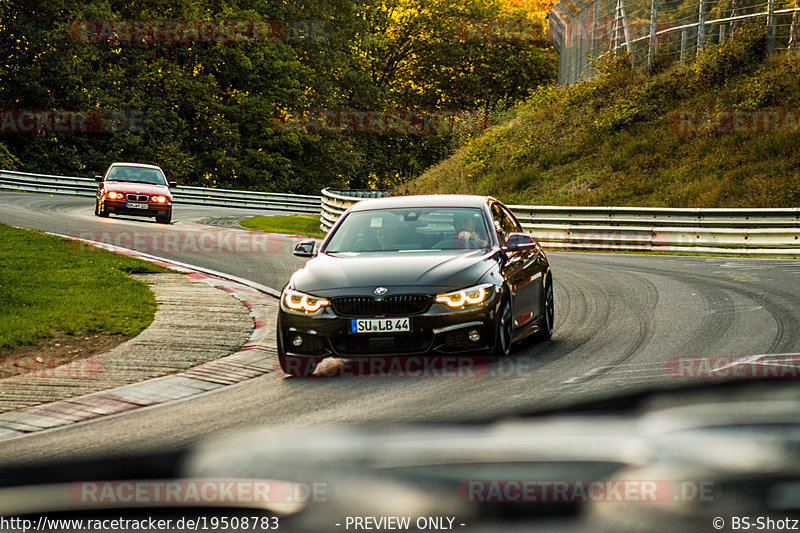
(659, 216)
(765, 232)
(768, 232)
(759, 241)
(756, 231)
(67, 185)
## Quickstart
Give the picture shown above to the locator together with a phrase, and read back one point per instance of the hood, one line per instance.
(439, 271)
(138, 188)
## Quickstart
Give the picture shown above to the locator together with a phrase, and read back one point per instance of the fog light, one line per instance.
(474, 336)
(297, 341)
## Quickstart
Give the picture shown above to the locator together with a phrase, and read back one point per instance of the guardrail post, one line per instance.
(770, 25)
(684, 41)
(651, 52)
(721, 33)
(701, 26)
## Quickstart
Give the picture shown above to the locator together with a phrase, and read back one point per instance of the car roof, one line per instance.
(140, 165)
(423, 200)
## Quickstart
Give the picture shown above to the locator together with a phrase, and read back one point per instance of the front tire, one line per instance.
(545, 323)
(502, 336)
(98, 211)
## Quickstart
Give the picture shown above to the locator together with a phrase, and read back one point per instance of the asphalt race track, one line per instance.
(621, 320)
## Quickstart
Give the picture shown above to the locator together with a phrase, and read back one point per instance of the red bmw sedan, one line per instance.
(134, 189)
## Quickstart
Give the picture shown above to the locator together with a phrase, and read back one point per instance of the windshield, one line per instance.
(136, 175)
(410, 229)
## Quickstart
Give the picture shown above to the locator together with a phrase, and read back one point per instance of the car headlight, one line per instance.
(300, 301)
(114, 195)
(160, 199)
(469, 296)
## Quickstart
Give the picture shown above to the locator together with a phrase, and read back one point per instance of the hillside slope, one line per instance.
(723, 132)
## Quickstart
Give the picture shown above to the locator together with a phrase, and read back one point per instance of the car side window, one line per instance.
(503, 225)
(511, 221)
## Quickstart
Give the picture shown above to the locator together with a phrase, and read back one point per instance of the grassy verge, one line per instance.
(49, 283)
(307, 225)
(619, 139)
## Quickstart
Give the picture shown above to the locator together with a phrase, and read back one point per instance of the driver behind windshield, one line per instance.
(466, 233)
(388, 233)
(119, 174)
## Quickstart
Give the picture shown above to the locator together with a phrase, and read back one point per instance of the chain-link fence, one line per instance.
(656, 30)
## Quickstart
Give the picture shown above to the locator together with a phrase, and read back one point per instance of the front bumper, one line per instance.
(119, 208)
(439, 330)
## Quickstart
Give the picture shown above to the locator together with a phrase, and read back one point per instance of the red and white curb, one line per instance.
(258, 356)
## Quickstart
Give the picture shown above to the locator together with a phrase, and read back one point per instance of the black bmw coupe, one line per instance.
(415, 275)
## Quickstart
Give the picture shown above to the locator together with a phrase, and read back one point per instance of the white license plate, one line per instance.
(136, 206)
(380, 325)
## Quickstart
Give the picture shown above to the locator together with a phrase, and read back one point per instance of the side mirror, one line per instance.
(98, 178)
(304, 249)
(520, 241)
(172, 184)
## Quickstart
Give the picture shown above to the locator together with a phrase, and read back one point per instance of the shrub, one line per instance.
(718, 63)
(617, 117)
